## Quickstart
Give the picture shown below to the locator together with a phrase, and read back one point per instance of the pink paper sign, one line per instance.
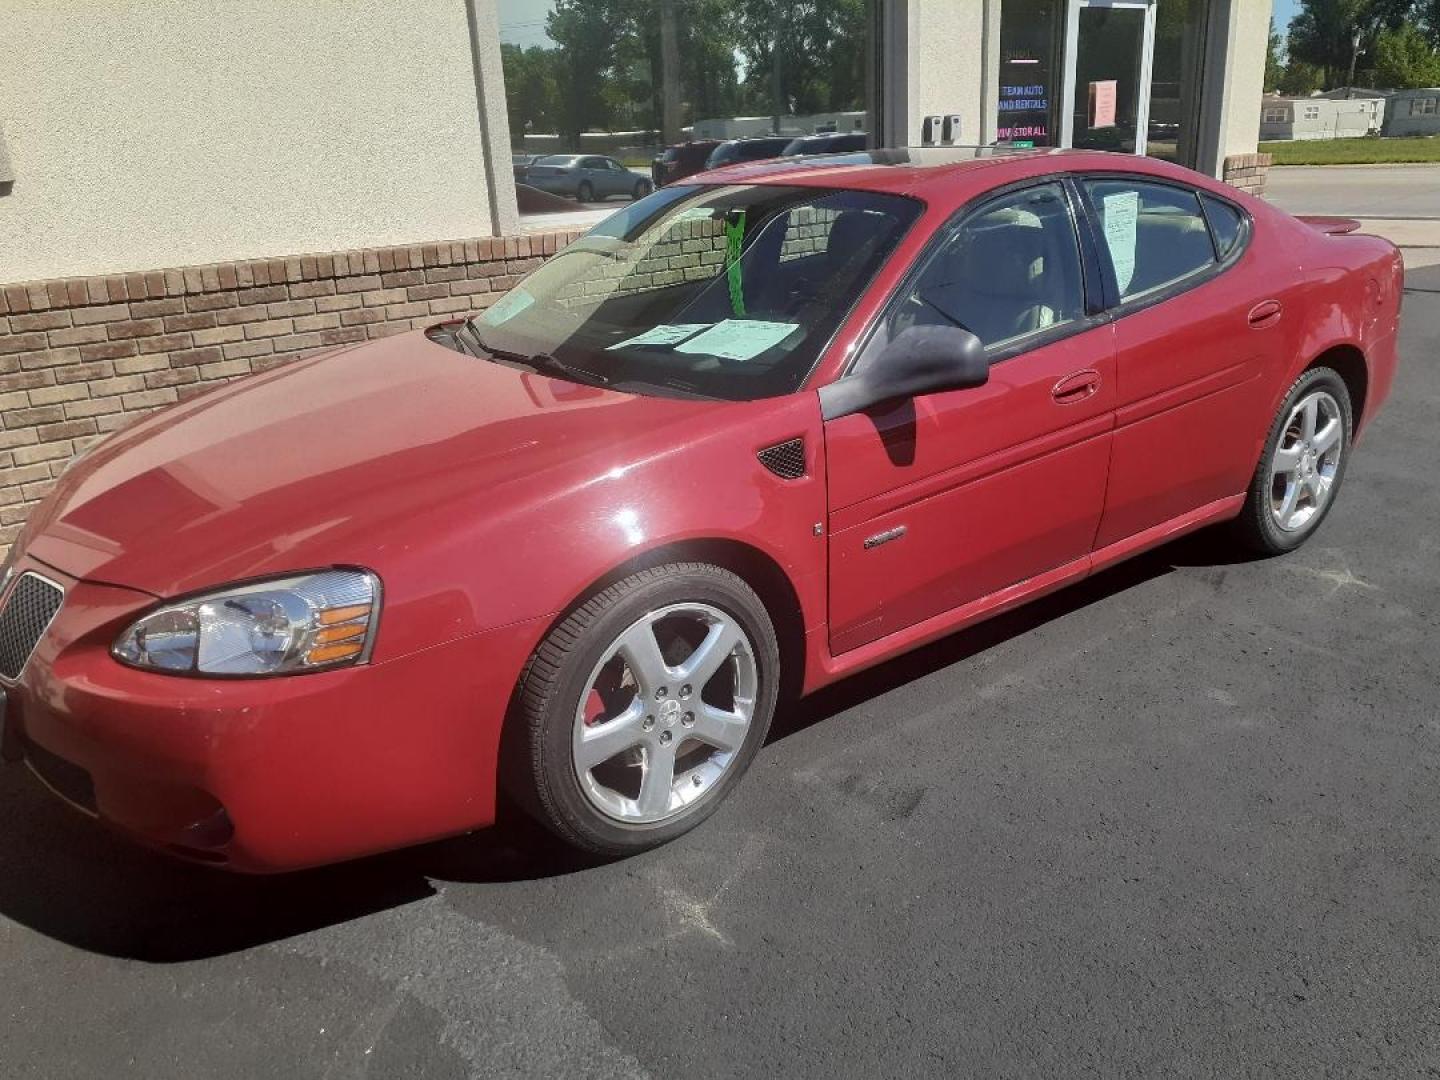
(1102, 103)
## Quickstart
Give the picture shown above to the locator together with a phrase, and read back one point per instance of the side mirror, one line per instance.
(918, 360)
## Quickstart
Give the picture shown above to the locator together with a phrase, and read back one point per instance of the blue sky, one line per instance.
(1284, 12)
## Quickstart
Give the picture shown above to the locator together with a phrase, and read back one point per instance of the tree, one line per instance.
(1274, 63)
(1405, 60)
(1339, 35)
(1301, 79)
(532, 94)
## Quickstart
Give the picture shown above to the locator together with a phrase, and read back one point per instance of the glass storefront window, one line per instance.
(1030, 33)
(658, 86)
(1175, 79)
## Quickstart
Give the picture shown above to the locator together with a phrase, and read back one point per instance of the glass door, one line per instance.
(1108, 56)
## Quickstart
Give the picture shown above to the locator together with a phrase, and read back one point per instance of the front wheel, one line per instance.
(1302, 466)
(585, 192)
(642, 710)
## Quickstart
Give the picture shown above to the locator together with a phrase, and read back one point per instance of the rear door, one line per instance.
(1200, 321)
(944, 499)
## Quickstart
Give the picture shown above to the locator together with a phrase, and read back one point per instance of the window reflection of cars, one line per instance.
(586, 177)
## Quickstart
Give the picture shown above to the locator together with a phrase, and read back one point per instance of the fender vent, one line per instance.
(786, 460)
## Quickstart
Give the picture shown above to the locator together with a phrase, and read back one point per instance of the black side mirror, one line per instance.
(918, 360)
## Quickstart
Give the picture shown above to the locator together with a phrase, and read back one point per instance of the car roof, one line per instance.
(939, 174)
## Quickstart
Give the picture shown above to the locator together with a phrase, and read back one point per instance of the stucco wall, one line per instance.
(1241, 53)
(943, 58)
(171, 133)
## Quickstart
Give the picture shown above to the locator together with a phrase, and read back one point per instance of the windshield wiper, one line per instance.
(543, 362)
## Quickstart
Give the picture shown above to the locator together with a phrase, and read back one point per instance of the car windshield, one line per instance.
(720, 291)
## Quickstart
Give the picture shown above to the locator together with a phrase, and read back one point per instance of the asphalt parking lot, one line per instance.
(1180, 820)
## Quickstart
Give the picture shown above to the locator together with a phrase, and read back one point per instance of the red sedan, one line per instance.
(751, 434)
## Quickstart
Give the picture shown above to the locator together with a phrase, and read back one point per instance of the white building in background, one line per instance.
(1413, 112)
(1321, 116)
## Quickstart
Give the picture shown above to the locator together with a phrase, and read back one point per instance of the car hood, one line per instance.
(335, 460)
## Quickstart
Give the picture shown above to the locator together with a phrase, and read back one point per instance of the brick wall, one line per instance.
(1248, 172)
(83, 356)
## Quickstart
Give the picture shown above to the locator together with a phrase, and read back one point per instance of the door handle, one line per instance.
(1266, 313)
(1075, 388)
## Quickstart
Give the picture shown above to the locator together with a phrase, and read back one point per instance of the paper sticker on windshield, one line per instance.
(1122, 211)
(664, 334)
(739, 339)
(507, 307)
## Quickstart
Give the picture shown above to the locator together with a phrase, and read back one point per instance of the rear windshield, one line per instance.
(724, 291)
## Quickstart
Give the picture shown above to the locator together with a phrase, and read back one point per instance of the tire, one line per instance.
(642, 188)
(585, 192)
(589, 681)
(1259, 526)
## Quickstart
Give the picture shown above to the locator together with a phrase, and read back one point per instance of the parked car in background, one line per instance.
(586, 177)
(732, 151)
(681, 160)
(826, 144)
(585, 543)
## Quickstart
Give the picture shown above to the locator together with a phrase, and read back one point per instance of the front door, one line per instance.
(946, 498)
(1109, 45)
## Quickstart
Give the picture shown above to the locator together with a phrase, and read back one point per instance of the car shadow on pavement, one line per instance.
(63, 876)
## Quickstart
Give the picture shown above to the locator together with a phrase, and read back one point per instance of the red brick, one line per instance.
(77, 335)
(41, 414)
(275, 328)
(219, 335)
(207, 355)
(267, 294)
(239, 349)
(45, 320)
(171, 377)
(94, 407)
(427, 292)
(17, 343)
(148, 309)
(54, 395)
(231, 316)
(343, 336)
(338, 303)
(49, 358)
(109, 350)
(198, 321)
(135, 365)
(401, 278)
(136, 328)
(445, 273)
(364, 315)
(358, 284)
(104, 313)
(381, 297)
(77, 372)
(302, 290)
(406, 311)
(210, 301)
(66, 429)
(26, 380)
(16, 298)
(148, 399)
(290, 308)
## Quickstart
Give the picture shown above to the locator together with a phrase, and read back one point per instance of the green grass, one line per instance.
(1363, 151)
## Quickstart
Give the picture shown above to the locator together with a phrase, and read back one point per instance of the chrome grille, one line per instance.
(31, 605)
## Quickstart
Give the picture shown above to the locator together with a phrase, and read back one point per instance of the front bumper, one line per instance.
(263, 775)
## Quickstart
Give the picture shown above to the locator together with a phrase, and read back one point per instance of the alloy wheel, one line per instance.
(1306, 461)
(664, 713)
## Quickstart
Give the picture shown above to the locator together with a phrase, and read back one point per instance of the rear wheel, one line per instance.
(642, 710)
(585, 192)
(642, 188)
(1302, 467)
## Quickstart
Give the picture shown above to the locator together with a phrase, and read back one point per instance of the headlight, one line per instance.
(297, 624)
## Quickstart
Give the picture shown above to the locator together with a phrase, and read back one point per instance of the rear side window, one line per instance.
(1225, 224)
(1154, 235)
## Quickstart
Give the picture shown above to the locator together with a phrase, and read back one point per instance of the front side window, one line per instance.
(1154, 235)
(723, 291)
(1011, 270)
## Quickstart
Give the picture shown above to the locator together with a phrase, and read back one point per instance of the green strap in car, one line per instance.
(734, 239)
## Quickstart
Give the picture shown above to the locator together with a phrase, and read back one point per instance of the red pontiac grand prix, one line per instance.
(752, 433)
